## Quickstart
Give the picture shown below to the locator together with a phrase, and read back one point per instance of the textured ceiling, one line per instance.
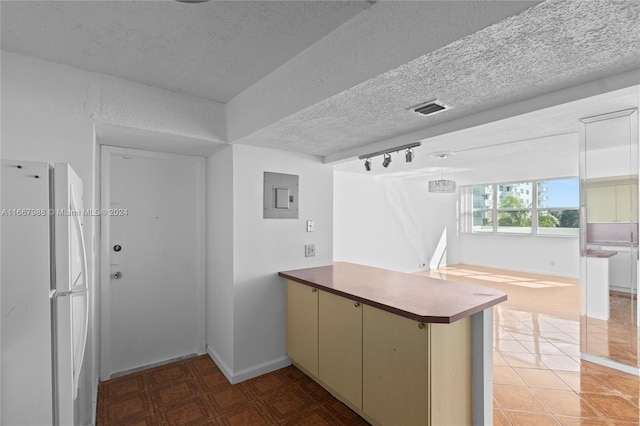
(218, 49)
(554, 45)
(212, 50)
(542, 143)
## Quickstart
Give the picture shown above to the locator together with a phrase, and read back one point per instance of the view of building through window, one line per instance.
(548, 207)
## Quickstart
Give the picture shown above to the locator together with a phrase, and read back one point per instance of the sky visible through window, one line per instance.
(562, 193)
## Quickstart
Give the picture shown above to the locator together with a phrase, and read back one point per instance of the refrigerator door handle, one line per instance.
(78, 224)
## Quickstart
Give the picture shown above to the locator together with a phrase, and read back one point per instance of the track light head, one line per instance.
(387, 160)
(367, 165)
(408, 157)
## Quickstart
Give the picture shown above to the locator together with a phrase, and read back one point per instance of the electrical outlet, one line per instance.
(309, 250)
(422, 265)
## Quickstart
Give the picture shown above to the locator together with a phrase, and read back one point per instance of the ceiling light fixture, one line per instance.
(408, 156)
(387, 155)
(442, 186)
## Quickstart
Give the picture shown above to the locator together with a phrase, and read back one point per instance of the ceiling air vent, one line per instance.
(429, 108)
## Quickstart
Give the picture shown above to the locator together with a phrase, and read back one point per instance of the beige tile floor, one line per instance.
(539, 378)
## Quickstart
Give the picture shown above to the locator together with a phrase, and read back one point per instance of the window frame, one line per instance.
(468, 210)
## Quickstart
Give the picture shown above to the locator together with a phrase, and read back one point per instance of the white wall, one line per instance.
(397, 224)
(50, 112)
(558, 256)
(263, 247)
(246, 315)
(43, 120)
(219, 291)
(392, 223)
(128, 104)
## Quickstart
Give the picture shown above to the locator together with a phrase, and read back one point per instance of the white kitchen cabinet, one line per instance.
(622, 268)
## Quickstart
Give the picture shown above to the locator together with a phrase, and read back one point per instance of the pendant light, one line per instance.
(442, 186)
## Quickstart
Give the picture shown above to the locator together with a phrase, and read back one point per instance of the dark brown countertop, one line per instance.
(412, 296)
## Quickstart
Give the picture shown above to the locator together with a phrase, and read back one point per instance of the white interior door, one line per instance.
(152, 281)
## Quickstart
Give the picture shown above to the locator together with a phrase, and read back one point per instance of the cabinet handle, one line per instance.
(420, 325)
(357, 305)
(313, 290)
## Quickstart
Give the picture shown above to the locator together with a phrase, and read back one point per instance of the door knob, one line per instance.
(116, 275)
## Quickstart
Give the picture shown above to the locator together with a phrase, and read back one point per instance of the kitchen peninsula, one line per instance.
(396, 348)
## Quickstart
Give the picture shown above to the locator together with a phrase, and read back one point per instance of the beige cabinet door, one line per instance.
(634, 202)
(395, 369)
(340, 346)
(627, 203)
(451, 373)
(302, 326)
(601, 204)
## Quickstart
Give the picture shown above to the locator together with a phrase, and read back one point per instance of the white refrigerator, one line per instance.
(44, 293)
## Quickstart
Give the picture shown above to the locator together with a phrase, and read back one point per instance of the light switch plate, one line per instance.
(309, 250)
(311, 225)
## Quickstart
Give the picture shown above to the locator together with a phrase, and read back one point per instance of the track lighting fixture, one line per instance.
(387, 155)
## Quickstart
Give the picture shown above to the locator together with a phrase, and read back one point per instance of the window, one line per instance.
(558, 202)
(514, 209)
(543, 207)
(482, 217)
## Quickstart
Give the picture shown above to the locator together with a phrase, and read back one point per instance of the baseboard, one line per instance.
(260, 369)
(94, 408)
(621, 289)
(247, 373)
(228, 373)
(606, 362)
(152, 365)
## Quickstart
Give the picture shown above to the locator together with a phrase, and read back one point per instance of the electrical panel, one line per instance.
(280, 196)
